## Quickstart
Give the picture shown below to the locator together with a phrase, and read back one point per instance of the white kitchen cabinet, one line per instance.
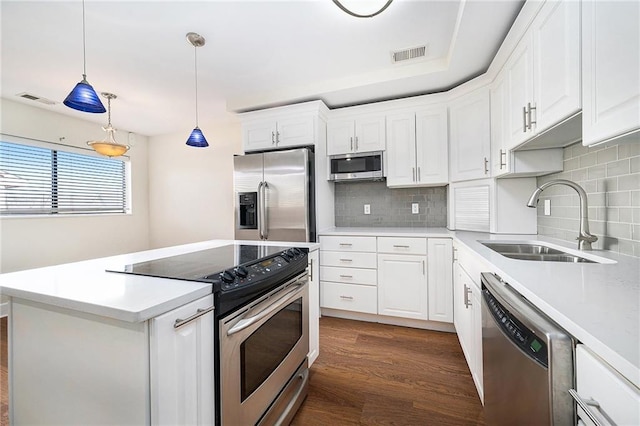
(182, 365)
(417, 148)
(610, 70)
(281, 133)
(314, 306)
(542, 76)
(440, 279)
(402, 286)
(362, 133)
(469, 136)
(607, 394)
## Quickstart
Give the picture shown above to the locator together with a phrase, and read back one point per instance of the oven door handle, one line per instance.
(247, 322)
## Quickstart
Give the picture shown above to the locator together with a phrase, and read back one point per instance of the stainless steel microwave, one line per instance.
(357, 166)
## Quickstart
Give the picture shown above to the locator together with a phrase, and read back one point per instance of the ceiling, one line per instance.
(257, 54)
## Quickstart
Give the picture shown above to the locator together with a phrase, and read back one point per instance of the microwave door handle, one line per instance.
(265, 211)
(247, 322)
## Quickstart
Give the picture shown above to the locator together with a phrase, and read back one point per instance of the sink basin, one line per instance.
(534, 252)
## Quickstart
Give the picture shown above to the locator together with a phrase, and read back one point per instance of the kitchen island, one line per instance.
(88, 346)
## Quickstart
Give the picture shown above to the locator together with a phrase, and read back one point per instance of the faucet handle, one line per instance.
(587, 238)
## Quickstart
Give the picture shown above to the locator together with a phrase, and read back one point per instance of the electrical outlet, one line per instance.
(547, 207)
(367, 209)
(415, 208)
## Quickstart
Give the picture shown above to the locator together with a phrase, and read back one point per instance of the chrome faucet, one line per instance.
(585, 238)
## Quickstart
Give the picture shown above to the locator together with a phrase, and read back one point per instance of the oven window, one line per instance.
(264, 350)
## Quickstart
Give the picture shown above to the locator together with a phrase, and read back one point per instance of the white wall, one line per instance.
(191, 189)
(31, 242)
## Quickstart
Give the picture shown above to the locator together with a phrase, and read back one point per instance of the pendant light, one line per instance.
(196, 138)
(108, 146)
(83, 97)
(358, 3)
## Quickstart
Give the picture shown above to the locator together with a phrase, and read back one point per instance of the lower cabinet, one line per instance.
(467, 320)
(402, 286)
(181, 362)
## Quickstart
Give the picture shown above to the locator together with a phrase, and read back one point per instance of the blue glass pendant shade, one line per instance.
(197, 139)
(84, 98)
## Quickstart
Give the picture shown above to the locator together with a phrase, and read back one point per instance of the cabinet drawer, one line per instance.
(348, 259)
(402, 245)
(349, 297)
(618, 399)
(349, 275)
(365, 244)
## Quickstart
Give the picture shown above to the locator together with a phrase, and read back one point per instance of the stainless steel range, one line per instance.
(262, 325)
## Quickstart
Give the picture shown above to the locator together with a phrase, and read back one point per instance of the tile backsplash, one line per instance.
(610, 175)
(389, 207)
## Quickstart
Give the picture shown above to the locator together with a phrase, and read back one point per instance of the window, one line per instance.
(44, 181)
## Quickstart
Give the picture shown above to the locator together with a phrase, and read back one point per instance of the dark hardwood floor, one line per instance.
(371, 374)
(375, 374)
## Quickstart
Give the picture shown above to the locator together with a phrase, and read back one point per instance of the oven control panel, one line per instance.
(246, 274)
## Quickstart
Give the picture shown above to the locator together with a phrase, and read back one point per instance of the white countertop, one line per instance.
(599, 304)
(87, 287)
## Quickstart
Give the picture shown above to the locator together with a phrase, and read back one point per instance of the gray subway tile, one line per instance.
(634, 165)
(607, 155)
(626, 150)
(630, 182)
(619, 230)
(618, 168)
(588, 160)
(571, 164)
(597, 172)
(607, 184)
(618, 199)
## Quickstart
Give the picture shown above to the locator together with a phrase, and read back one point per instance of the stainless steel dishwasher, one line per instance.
(528, 361)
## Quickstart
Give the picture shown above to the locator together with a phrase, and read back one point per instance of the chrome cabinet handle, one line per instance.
(273, 138)
(524, 119)
(199, 312)
(486, 165)
(356, 143)
(418, 174)
(424, 268)
(400, 246)
(311, 269)
(467, 302)
(277, 137)
(346, 276)
(413, 171)
(531, 108)
(346, 260)
(351, 140)
(585, 404)
(345, 244)
(455, 251)
(346, 297)
(503, 154)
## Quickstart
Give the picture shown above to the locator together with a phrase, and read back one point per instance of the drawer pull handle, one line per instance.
(400, 246)
(345, 244)
(346, 297)
(467, 302)
(346, 276)
(199, 312)
(346, 260)
(585, 404)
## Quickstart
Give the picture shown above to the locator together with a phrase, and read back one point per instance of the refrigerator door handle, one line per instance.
(260, 204)
(265, 216)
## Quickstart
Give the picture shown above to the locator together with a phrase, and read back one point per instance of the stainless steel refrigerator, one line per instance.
(274, 196)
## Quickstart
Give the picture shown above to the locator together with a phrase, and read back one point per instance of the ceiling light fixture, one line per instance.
(362, 11)
(83, 97)
(109, 146)
(196, 138)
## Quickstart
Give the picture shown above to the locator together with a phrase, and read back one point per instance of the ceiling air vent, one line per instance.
(408, 54)
(31, 97)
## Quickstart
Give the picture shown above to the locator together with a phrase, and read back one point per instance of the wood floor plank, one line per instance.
(376, 374)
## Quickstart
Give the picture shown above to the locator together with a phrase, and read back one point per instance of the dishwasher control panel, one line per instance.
(518, 333)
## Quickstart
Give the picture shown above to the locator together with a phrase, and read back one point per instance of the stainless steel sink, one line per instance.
(535, 252)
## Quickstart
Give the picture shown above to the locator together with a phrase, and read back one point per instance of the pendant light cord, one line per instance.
(357, 15)
(84, 47)
(195, 61)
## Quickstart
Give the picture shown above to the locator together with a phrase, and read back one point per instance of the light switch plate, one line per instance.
(547, 207)
(367, 209)
(415, 208)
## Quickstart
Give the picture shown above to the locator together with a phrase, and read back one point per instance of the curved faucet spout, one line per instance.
(585, 238)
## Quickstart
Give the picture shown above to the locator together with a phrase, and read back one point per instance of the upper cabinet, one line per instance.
(469, 136)
(542, 76)
(417, 148)
(275, 128)
(362, 133)
(610, 70)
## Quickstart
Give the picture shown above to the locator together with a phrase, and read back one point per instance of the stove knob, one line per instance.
(227, 277)
(291, 252)
(297, 251)
(241, 271)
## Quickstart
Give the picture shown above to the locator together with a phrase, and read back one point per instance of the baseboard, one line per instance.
(384, 319)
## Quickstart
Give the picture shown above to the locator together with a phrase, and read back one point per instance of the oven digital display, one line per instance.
(266, 262)
(263, 351)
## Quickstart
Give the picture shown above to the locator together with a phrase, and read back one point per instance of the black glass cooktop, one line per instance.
(197, 265)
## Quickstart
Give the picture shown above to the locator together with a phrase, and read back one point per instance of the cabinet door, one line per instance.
(610, 69)
(295, 131)
(462, 311)
(314, 306)
(258, 135)
(499, 137)
(401, 154)
(476, 340)
(432, 147)
(519, 77)
(340, 137)
(556, 44)
(440, 278)
(370, 133)
(402, 286)
(469, 136)
(182, 370)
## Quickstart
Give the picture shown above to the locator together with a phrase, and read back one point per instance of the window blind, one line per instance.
(41, 181)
